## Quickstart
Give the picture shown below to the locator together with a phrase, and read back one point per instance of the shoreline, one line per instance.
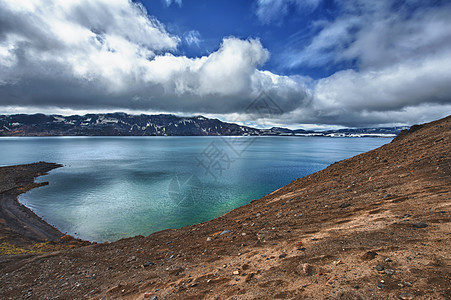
(19, 225)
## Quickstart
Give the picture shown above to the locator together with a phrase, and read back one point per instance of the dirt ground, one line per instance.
(375, 226)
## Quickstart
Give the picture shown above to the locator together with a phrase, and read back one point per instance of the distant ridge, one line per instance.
(122, 124)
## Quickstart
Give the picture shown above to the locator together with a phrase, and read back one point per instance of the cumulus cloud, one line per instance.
(404, 93)
(269, 11)
(111, 54)
(391, 88)
(401, 54)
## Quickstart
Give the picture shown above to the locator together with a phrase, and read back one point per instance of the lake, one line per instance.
(117, 187)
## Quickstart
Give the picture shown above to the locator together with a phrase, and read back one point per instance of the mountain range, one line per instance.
(122, 124)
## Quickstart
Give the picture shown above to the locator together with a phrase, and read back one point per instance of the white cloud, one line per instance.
(111, 54)
(411, 92)
(375, 35)
(324, 47)
(269, 11)
(192, 38)
(402, 64)
(41, 32)
(408, 91)
(169, 2)
(391, 88)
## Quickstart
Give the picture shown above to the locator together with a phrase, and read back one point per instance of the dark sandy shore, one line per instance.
(18, 224)
(375, 226)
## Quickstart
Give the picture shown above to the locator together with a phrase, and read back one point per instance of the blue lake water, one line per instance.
(116, 187)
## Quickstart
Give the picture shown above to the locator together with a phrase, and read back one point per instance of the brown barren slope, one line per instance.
(376, 226)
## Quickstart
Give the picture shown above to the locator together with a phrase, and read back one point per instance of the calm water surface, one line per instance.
(116, 187)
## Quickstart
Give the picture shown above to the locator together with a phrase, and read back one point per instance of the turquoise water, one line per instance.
(116, 187)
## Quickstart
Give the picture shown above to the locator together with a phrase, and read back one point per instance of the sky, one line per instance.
(323, 63)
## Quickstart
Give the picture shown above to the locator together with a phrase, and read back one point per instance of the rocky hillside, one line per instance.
(375, 226)
(117, 124)
(121, 124)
